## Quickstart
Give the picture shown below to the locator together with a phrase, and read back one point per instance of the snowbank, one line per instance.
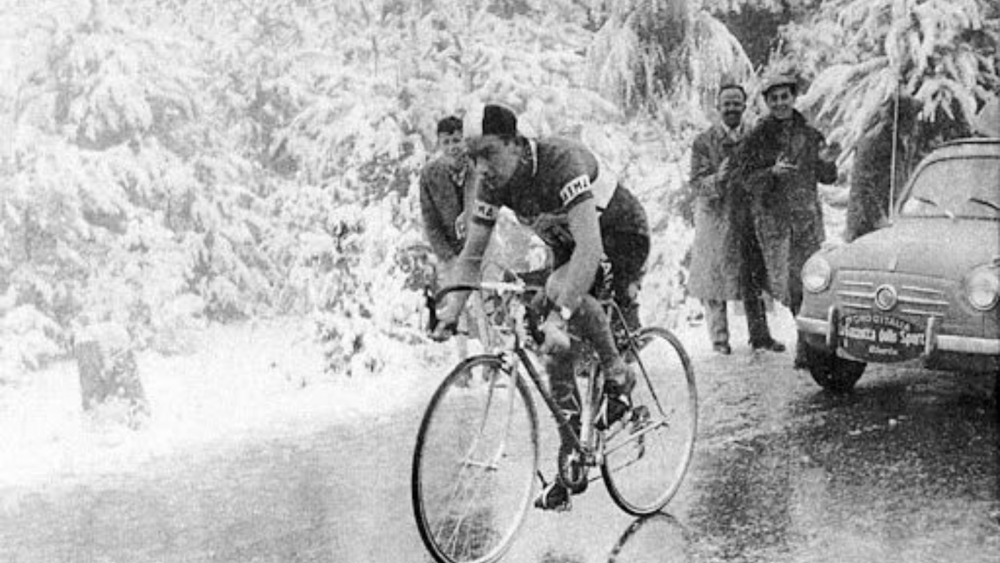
(253, 380)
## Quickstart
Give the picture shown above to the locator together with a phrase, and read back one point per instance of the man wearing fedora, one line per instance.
(599, 237)
(726, 260)
(778, 165)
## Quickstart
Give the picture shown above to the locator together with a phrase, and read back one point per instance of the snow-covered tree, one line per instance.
(124, 205)
(650, 52)
(942, 54)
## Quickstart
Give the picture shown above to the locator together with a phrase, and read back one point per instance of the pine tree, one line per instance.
(941, 54)
(652, 51)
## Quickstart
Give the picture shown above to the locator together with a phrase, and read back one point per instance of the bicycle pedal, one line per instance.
(555, 497)
(612, 410)
(640, 415)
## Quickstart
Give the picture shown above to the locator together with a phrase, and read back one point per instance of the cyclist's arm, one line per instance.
(583, 264)
(468, 265)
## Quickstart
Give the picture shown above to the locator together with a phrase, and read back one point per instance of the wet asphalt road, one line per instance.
(905, 469)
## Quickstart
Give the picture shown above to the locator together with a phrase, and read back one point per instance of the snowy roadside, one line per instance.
(247, 381)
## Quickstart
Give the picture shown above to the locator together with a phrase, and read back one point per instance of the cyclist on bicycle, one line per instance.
(594, 227)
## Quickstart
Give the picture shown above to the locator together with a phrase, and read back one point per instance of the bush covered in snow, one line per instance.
(177, 163)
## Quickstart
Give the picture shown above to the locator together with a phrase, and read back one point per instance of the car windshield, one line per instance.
(956, 187)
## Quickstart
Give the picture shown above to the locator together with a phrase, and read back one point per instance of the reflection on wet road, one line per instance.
(906, 469)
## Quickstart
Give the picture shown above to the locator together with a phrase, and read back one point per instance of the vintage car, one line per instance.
(923, 289)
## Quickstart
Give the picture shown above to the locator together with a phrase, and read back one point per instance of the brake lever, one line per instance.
(432, 317)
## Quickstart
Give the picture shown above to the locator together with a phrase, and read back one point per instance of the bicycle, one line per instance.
(477, 455)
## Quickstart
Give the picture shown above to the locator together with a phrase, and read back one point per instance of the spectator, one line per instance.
(778, 165)
(726, 259)
(447, 184)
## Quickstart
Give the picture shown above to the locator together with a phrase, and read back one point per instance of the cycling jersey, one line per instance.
(556, 174)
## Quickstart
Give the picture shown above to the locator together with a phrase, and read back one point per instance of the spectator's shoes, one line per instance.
(770, 345)
(801, 360)
(722, 348)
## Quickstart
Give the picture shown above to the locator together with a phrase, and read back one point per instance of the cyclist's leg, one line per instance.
(589, 321)
(627, 253)
(560, 364)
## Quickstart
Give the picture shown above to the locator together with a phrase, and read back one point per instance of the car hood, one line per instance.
(929, 247)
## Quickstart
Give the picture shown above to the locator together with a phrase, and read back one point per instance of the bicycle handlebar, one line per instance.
(499, 287)
(432, 300)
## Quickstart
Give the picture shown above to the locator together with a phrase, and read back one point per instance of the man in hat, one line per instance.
(726, 260)
(778, 165)
(594, 227)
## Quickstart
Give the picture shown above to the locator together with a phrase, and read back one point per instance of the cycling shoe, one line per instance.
(554, 496)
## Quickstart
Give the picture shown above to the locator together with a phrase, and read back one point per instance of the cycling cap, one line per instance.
(499, 121)
(491, 119)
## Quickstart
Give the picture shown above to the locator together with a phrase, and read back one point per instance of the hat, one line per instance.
(499, 121)
(777, 79)
(490, 119)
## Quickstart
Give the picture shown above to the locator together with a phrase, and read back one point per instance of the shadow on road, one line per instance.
(651, 538)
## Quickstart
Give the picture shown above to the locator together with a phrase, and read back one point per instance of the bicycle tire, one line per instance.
(467, 508)
(665, 387)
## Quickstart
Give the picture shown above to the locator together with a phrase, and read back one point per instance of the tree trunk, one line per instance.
(110, 389)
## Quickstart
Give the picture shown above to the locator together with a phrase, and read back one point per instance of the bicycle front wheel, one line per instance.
(475, 461)
(645, 461)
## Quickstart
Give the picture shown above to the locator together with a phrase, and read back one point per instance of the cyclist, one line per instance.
(596, 229)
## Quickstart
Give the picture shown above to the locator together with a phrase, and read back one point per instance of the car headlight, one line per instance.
(982, 288)
(816, 274)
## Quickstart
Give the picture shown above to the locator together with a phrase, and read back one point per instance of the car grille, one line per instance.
(917, 295)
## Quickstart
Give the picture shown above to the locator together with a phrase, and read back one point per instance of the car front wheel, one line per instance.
(833, 373)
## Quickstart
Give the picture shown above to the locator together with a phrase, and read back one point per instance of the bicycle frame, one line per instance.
(589, 396)
(451, 440)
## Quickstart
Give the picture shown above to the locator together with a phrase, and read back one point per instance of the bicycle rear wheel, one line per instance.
(645, 461)
(475, 461)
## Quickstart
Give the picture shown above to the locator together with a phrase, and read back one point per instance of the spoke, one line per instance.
(471, 481)
(456, 536)
(636, 436)
(649, 383)
(450, 500)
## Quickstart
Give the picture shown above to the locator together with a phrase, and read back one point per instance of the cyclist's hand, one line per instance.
(447, 320)
(556, 334)
(443, 331)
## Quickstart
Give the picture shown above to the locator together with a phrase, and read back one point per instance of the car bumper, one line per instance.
(934, 342)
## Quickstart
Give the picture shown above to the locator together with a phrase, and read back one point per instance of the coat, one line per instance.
(715, 259)
(786, 211)
(443, 198)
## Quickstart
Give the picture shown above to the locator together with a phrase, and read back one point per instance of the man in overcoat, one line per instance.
(778, 165)
(726, 259)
